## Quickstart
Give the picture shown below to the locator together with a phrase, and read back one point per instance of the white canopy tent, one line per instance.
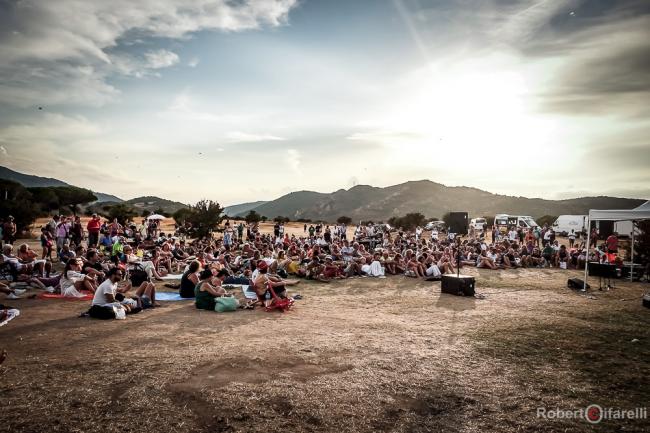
(637, 214)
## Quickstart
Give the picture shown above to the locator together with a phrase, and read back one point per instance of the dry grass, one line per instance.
(361, 355)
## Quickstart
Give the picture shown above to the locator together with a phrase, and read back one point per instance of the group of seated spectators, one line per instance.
(242, 255)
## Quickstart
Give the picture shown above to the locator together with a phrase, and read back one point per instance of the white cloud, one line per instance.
(50, 49)
(3, 151)
(194, 62)
(161, 59)
(244, 137)
(294, 161)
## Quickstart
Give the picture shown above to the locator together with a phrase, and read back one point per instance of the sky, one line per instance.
(245, 100)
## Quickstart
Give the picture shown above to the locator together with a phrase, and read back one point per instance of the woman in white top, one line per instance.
(73, 281)
(146, 265)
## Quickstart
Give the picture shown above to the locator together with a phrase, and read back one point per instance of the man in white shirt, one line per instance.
(106, 291)
(512, 234)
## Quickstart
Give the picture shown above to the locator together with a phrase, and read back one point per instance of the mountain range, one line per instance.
(29, 181)
(363, 202)
(149, 203)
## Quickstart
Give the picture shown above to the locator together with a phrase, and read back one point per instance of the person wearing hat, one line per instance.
(9, 231)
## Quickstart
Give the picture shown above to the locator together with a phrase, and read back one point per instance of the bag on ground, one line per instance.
(224, 304)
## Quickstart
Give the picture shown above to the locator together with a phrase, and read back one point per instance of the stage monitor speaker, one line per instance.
(461, 285)
(602, 270)
(458, 222)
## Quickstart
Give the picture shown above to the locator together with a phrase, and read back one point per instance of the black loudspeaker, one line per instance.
(461, 285)
(458, 222)
(602, 270)
(576, 284)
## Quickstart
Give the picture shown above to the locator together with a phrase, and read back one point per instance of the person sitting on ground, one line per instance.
(373, 268)
(107, 291)
(263, 281)
(73, 281)
(28, 256)
(189, 280)
(205, 293)
(65, 254)
(146, 265)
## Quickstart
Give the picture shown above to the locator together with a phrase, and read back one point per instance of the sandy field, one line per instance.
(360, 355)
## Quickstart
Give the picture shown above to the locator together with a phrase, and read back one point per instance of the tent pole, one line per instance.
(632, 258)
(584, 287)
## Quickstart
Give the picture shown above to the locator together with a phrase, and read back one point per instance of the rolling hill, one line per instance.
(152, 203)
(29, 181)
(430, 198)
(242, 209)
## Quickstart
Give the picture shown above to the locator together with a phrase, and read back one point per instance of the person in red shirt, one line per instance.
(612, 243)
(93, 228)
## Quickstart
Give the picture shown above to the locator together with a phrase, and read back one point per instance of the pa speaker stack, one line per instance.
(458, 222)
(461, 285)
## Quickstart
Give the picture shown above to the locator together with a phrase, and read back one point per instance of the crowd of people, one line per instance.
(118, 264)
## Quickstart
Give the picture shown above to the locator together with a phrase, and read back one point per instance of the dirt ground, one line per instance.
(361, 355)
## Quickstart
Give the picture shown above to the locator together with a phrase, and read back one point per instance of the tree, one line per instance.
(205, 217)
(409, 221)
(252, 217)
(344, 220)
(281, 219)
(263, 218)
(123, 212)
(145, 213)
(46, 198)
(72, 197)
(546, 219)
(489, 220)
(16, 200)
(181, 215)
(447, 218)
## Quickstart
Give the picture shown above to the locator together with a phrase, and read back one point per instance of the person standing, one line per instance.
(612, 243)
(572, 238)
(62, 232)
(93, 227)
(593, 241)
(77, 231)
(9, 231)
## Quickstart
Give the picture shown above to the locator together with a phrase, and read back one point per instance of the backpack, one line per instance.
(138, 276)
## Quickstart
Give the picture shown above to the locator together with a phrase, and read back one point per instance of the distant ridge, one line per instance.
(241, 209)
(30, 181)
(364, 202)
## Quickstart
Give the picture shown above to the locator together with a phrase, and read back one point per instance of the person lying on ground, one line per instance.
(11, 292)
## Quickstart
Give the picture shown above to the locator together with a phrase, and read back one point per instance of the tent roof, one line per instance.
(640, 213)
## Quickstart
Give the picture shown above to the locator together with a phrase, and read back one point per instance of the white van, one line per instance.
(478, 223)
(565, 223)
(504, 221)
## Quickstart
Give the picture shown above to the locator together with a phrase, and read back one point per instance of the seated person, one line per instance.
(205, 293)
(147, 265)
(189, 280)
(263, 280)
(66, 254)
(373, 268)
(73, 281)
(28, 256)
